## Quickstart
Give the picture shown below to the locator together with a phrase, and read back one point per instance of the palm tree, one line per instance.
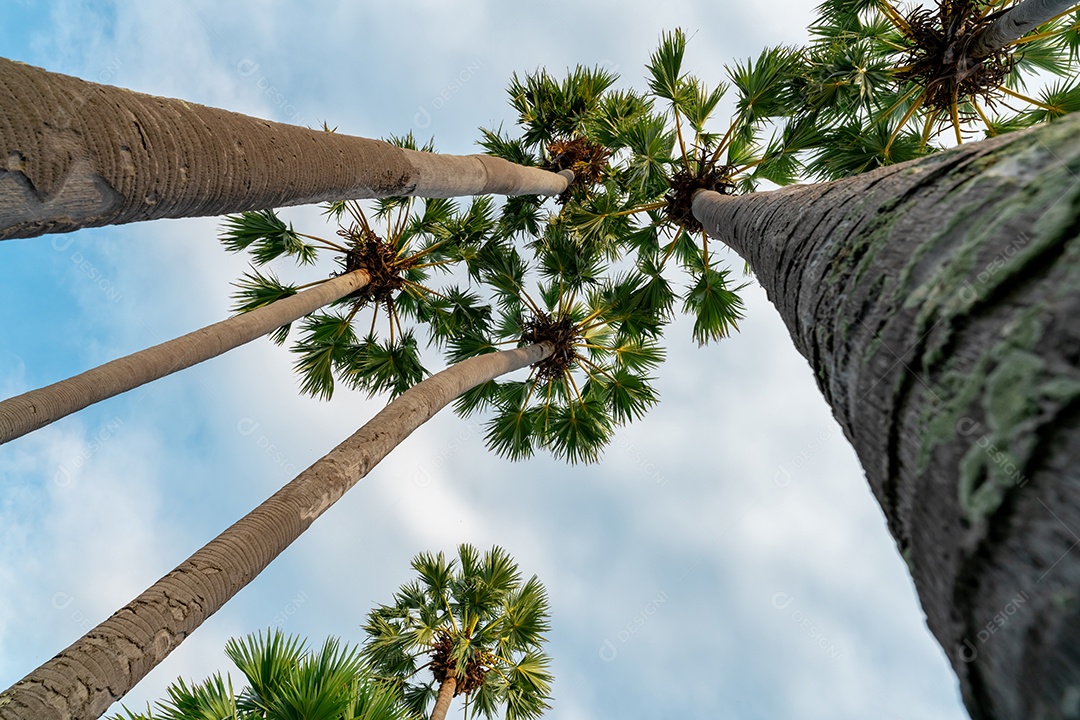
(371, 269)
(606, 337)
(936, 302)
(285, 679)
(83, 155)
(604, 332)
(638, 158)
(99, 668)
(480, 630)
(884, 85)
(915, 296)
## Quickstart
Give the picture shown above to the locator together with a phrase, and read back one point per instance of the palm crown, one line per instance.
(398, 264)
(475, 626)
(639, 157)
(888, 83)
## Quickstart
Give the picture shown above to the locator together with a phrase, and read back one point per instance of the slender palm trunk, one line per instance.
(77, 154)
(938, 303)
(99, 668)
(1016, 23)
(35, 409)
(446, 694)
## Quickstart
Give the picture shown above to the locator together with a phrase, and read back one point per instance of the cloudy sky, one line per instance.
(726, 559)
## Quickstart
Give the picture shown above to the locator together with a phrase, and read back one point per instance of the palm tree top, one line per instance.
(886, 83)
(471, 622)
(397, 262)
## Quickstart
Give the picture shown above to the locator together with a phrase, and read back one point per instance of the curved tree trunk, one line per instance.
(446, 694)
(77, 154)
(35, 409)
(938, 303)
(1016, 23)
(99, 668)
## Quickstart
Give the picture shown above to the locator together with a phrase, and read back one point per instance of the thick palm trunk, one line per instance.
(938, 303)
(446, 694)
(35, 409)
(77, 154)
(1016, 23)
(98, 669)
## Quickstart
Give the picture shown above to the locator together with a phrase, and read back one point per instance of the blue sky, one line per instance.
(726, 559)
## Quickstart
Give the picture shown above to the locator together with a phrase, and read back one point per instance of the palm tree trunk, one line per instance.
(938, 303)
(35, 409)
(77, 154)
(446, 694)
(99, 668)
(1017, 22)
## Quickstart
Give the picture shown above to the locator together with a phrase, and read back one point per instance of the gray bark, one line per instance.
(35, 409)
(446, 695)
(99, 668)
(77, 154)
(938, 303)
(1016, 23)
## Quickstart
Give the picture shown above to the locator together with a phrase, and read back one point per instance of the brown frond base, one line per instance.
(939, 60)
(562, 334)
(586, 159)
(475, 670)
(680, 199)
(379, 259)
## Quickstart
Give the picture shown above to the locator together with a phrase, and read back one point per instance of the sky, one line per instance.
(725, 558)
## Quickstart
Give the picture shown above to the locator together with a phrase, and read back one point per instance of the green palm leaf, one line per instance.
(266, 236)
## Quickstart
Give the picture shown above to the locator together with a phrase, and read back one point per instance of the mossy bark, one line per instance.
(938, 303)
(99, 668)
(35, 409)
(77, 154)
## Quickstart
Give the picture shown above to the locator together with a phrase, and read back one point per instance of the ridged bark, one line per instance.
(77, 154)
(99, 668)
(938, 303)
(1016, 23)
(35, 409)
(446, 694)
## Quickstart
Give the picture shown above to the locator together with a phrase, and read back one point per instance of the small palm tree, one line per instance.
(285, 680)
(886, 84)
(476, 626)
(119, 651)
